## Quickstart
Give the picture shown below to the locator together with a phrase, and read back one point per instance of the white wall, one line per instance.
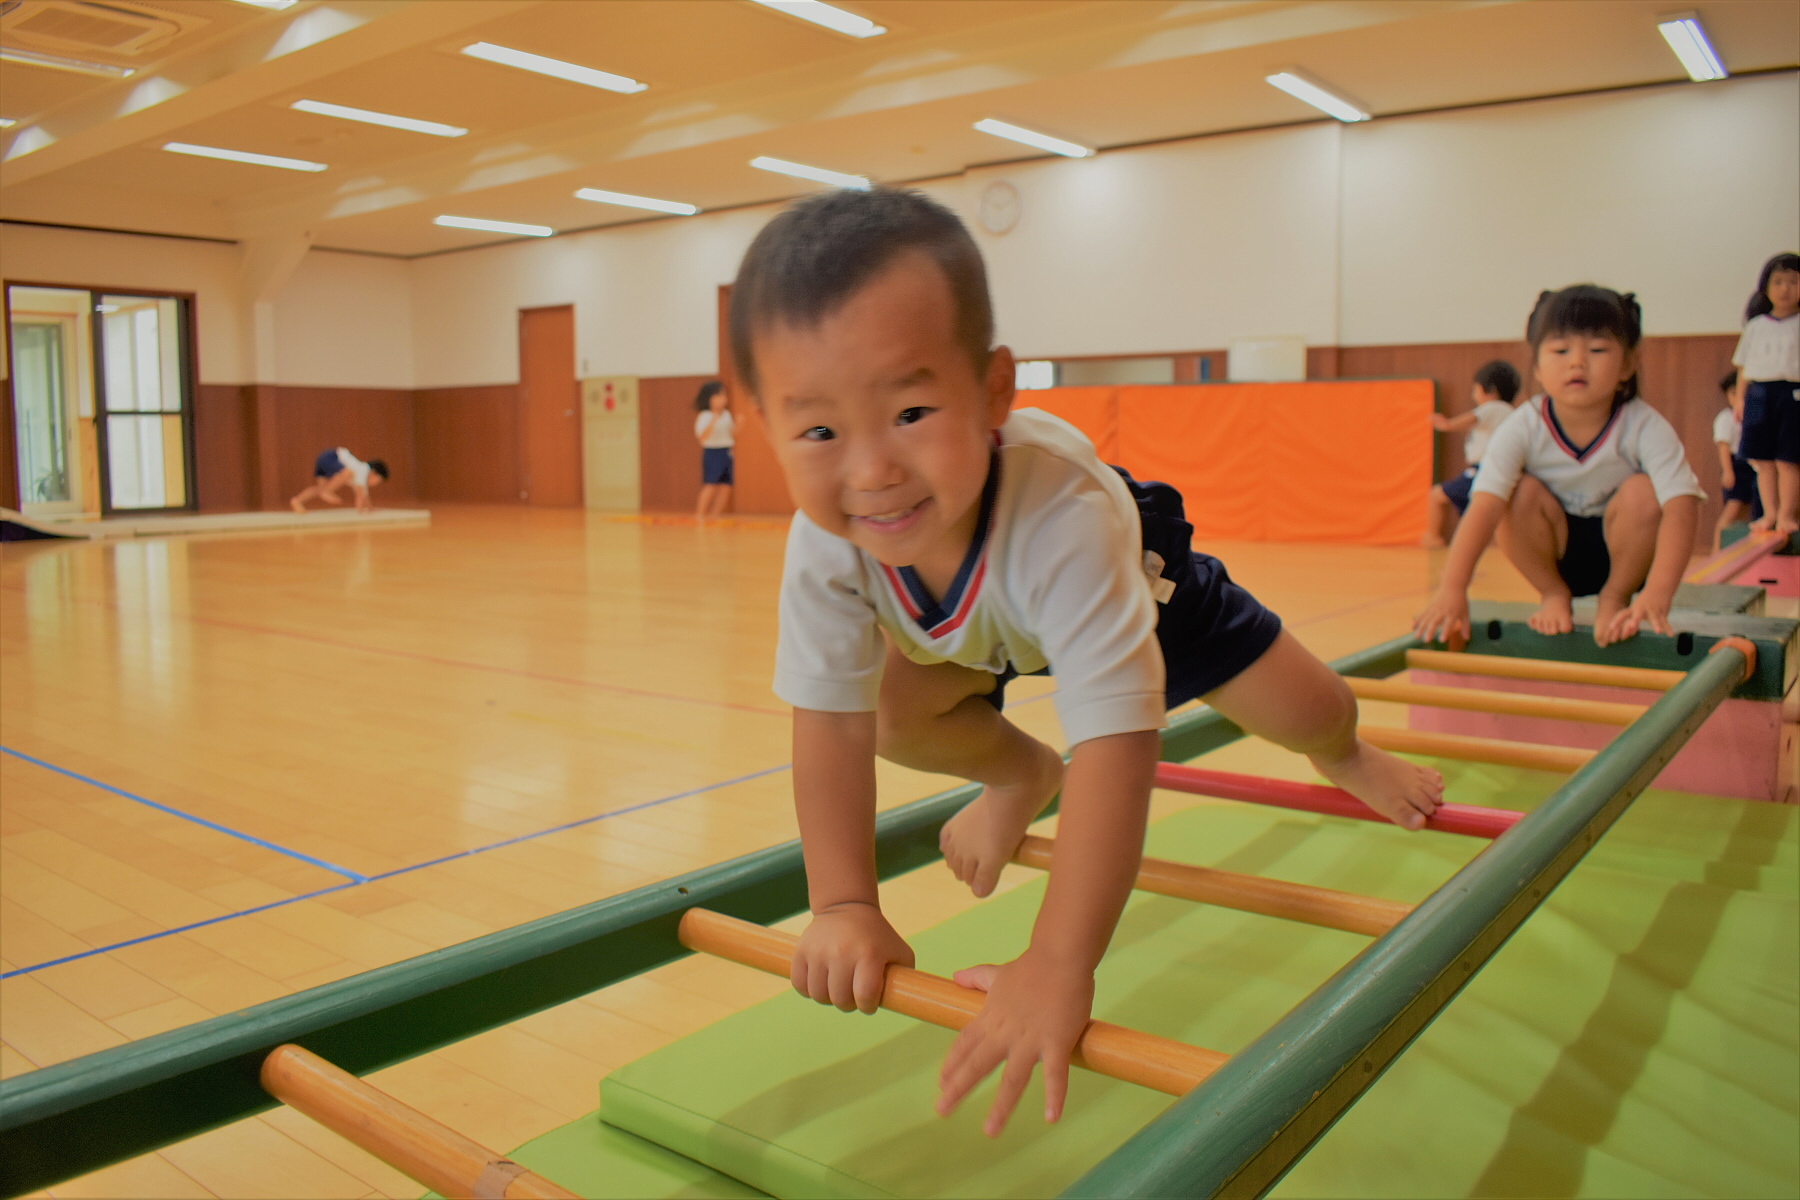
(1441, 227)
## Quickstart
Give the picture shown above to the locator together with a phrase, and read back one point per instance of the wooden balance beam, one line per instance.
(404, 1138)
(1127, 1054)
(1500, 667)
(1247, 893)
(1517, 704)
(1469, 819)
(1736, 558)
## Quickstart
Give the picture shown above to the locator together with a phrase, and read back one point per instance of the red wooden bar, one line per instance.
(1311, 797)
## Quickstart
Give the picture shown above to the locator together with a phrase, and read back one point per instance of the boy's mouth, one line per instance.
(893, 521)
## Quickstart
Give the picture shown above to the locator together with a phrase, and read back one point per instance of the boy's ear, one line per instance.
(1002, 385)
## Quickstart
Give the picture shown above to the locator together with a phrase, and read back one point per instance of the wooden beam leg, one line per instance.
(1127, 1054)
(1247, 893)
(1312, 797)
(404, 1138)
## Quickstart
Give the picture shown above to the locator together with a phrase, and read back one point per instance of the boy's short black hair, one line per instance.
(703, 398)
(1499, 377)
(1729, 381)
(812, 257)
(1760, 305)
(1587, 308)
(379, 466)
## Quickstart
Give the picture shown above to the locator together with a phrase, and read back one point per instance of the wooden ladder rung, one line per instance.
(1529, 755)
(1106, 1049)
(1549, 670)
(1517, 704)
(1469, 819)
(1248, 893)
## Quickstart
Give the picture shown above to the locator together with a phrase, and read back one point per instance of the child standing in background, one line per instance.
(1737, 478)
(1587, 485)
(717, 435)
(1496, 387)
(1768, 357)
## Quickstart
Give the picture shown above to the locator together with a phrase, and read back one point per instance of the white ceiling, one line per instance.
(730, 80)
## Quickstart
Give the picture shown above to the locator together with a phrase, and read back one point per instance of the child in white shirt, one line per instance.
(1588, 485)
(1768, 355)
(1737, 478)
(716, 432)
(1496, 387)
(943, 543)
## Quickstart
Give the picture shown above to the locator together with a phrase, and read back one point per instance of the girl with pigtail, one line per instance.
(1768, 356)
(1588, 486)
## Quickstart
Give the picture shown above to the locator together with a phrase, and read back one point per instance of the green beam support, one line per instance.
(1239, 1132)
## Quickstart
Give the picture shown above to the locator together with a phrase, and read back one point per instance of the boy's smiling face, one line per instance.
(882, 424)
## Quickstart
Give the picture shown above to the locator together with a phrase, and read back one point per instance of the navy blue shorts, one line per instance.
(1457, 490)
(1743, 485)
(1211, 629)
(715, 464)
(1586, 562)
(1771, 421)
(327, 464)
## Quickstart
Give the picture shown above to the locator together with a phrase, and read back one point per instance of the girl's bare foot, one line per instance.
(1555, 615)
(1787, 525)
(1762, 523)
(1405, 793)
(1605, 609)
(296, 505)
(980, 840)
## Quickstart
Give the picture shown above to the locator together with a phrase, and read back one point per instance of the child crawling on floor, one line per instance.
(945, 544)
(1588, 486)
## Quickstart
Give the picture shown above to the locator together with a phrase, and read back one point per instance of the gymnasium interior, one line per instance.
(439, 838)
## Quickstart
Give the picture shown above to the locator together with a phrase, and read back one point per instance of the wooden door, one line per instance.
(760, 486)
(550, 407)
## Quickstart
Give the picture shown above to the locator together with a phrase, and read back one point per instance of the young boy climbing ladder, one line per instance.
(945, 544)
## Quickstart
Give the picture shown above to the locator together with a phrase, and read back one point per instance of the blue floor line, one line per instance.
(361, 879)
(353, 876)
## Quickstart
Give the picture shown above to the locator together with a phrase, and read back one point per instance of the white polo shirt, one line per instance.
(1489, 416)
(1728, 429)
(1769, 349)
(359, 470)
(1054, 578)
(1637, 438)
(722, 436)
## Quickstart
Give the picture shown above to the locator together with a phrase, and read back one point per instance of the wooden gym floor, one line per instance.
(235, 767)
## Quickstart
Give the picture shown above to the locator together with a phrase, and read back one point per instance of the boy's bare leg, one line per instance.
(311, 492)
(1533, 535)
(936, 719)
(1787, 479)
(1769, 485)
(1439, 514)
(1632, 519)
(1292, 699)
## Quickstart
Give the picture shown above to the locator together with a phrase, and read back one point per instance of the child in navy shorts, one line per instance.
(1496, 387)
(1768, 356)
(945, 542)
(1737, 478)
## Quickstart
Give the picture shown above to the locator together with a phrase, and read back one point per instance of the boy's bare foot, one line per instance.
(1605, 609)
(1555, 615)
(296, 506)
(980, 840)
(1405, 793)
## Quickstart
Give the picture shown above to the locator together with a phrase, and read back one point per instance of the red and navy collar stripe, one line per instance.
(940, 618)
(1562, 439)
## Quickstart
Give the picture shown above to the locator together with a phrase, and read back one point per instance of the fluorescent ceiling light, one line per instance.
(629, 201)
(817, 174)
(7, 122)
(1685, 37)
(555, 67)
(364, 115)
(1031, 137)
(495, 226)
(261, 160)
(834, 19)
(57, 62)
(1318, 97)
(269, 3)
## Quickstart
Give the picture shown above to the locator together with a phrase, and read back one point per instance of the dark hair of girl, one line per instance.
(1586, 308)
(708, 390)
(1759, 302)
(1499, 377)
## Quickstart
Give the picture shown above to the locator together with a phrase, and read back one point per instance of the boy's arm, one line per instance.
(1448, 611)
(1674, 546)
(843, 955)
(1039, 1004)
(705, 431)
(1460, 423)
(1727, 476)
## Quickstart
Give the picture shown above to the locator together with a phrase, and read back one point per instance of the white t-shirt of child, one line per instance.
(1489, 416)
(359, 470)
(1054, 578)
(1769, 349)
(1637, 438)
(724, 431)
(1728, 429)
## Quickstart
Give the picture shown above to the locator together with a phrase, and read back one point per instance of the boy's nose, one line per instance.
(871, 469)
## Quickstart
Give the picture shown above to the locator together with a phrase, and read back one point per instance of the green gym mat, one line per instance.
(1637, 1038)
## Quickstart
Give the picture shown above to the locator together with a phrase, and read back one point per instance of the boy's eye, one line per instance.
(911, 415)
(819, 433)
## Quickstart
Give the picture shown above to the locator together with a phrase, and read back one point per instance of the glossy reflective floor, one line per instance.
(239, 766)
